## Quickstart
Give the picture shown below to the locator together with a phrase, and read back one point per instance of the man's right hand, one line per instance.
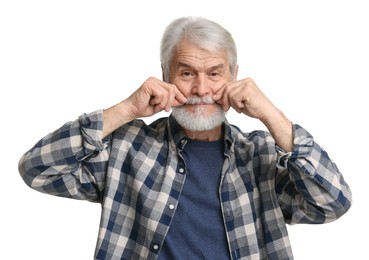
(152, 97)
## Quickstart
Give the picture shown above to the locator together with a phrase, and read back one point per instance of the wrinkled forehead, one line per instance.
(202, 43)
(193, 57)
(189, 49)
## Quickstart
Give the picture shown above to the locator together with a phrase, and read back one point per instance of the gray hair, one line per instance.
(200, 31)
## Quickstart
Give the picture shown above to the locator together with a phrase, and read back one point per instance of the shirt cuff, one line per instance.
(91, 131)
(302, 146)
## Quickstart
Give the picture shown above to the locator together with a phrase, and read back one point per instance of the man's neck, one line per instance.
(208, 135)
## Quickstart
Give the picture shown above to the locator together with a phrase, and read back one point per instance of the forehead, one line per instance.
(191, 54)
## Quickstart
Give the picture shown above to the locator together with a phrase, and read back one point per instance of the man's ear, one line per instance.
(235, 72)
(162, 73)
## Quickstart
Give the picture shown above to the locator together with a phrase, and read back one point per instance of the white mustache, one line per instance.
(200, 100)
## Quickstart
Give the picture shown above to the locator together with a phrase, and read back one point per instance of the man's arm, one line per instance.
(309, 185)
(71, 161)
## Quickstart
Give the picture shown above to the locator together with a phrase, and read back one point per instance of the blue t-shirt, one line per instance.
(197, 230)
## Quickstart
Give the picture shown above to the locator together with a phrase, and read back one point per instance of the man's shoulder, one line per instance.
(236, 130)
(258, 136)
(143, 128)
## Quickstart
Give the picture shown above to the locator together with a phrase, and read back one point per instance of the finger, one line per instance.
(217, 97)
(156, 100)
(180, 98)
(237, 105)
(221, 97)
(170, 99)
(177, 103)
(169, 96)
(225, 101)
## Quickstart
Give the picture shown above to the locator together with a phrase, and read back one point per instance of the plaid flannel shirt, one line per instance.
(137, 174)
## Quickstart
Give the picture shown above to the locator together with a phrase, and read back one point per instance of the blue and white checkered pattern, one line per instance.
(137, 175)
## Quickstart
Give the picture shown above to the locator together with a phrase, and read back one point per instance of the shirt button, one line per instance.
(155, 247)
(171, 206)
(181, 170)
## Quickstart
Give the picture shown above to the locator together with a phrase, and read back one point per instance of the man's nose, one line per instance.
(201, 86)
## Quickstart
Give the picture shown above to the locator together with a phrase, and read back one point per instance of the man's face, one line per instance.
(199, 74)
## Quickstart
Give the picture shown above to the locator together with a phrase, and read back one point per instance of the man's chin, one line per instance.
(198, 121)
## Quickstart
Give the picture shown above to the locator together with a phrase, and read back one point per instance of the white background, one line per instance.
(59, 59)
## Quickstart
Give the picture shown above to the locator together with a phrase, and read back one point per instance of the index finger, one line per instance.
(180, 99)
(221, 96)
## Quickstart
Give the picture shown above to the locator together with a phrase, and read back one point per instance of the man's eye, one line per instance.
(214, 74)
(186, 74)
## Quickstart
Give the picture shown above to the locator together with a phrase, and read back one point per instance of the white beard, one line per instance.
(200, 119)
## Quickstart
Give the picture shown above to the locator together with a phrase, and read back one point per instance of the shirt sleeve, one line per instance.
(69, 162)
(310, 187)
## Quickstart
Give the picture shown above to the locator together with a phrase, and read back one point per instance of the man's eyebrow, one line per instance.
(182, 64)
(219, 66)
(215, 67)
